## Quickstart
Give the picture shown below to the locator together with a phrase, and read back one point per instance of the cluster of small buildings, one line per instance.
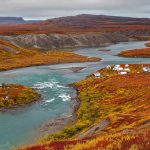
(118, 68)
(121, 70)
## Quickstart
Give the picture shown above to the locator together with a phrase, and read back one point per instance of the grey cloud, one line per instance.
(55, 8)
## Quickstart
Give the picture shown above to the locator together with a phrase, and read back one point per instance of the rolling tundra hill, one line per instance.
(76, 31)
(78, 24)
(98, 21)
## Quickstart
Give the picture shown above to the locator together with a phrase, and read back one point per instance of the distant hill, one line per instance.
(81, 21)
(11, 20)
(15, 20)
(96, 21)
(75, 24)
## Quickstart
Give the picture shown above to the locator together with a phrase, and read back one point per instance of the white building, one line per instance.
(126, 66)
(97, 74)
(127, 69)
(117, 67)
(146, 69)
(108, 67)
(122, 72)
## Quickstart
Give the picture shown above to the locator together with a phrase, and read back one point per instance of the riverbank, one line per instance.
(147, 44)
(109, 105)
(49, 58)
(13, 57)
(139, 53)
(57, 125)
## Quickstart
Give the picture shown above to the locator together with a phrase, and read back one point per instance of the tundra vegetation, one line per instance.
(141, 38)
(123, 100)
(16, 95)
(148, 44)
(141, 53)
(81, 24)
(12, 56)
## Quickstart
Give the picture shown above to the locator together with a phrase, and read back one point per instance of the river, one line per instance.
(20, 126)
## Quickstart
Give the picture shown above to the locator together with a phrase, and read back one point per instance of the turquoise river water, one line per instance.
(19, 126)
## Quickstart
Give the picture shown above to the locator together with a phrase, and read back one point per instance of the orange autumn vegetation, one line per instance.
(138, 140)
(47, 27)
(147, 44)
(16, 95)
(81, 24)
(141, 38)
(145, 53)
(12, 57)
(122, 99)
(118, 141)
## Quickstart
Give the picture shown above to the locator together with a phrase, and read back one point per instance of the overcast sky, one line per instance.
(43, 9)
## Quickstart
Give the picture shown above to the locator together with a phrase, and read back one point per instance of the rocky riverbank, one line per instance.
(63, 41)
(110, 107)
(51, 41)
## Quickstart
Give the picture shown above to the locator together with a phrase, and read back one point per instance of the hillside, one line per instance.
(112, 108)
(80, 24)
(65, 41)
(98, 21)
(76, 31)
(12, 57)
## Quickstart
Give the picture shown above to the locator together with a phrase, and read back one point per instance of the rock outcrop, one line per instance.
(59, 41)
